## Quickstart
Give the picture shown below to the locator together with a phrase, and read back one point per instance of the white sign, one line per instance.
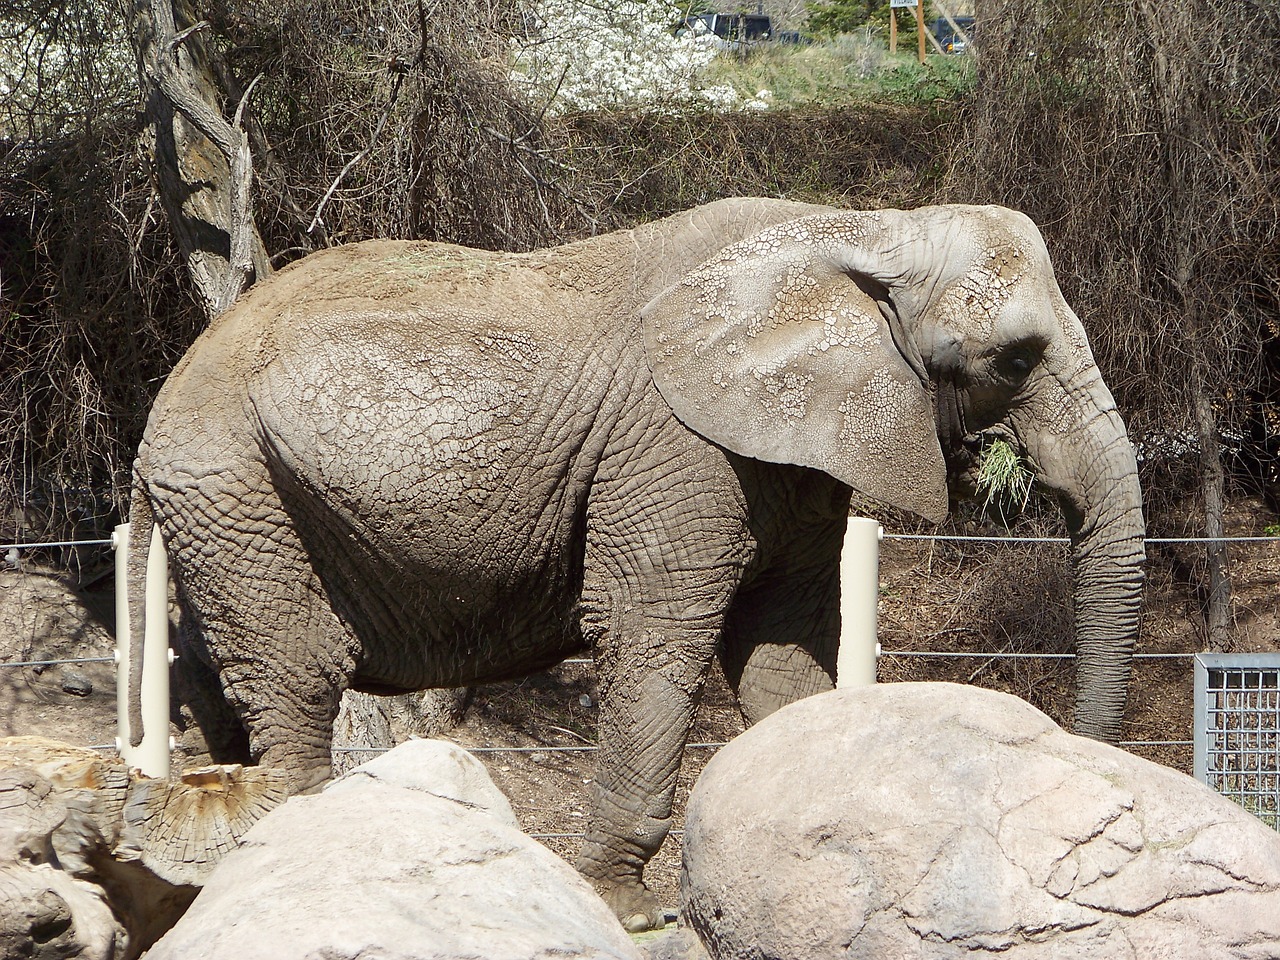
(909, 4)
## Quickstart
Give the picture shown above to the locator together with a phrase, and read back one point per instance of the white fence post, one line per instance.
(152, 755)
(859, 591)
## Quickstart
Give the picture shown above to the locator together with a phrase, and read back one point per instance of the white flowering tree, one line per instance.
(61, 61)
(604, 54)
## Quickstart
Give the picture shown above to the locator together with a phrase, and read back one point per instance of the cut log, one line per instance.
(180, 830)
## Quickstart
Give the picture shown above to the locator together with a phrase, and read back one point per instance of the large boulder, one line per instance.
(411, 856)
(930, 820)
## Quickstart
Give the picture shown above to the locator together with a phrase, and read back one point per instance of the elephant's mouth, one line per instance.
(965, 439)
(961, 450)
(963, 455)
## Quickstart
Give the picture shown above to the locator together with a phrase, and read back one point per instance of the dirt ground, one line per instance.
(935, 597)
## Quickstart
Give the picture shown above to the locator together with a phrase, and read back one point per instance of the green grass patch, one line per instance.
(851, 68)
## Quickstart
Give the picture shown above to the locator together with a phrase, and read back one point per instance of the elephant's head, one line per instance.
(867, 344)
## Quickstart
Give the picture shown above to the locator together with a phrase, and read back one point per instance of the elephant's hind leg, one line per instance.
(261, 615)
(197, 686)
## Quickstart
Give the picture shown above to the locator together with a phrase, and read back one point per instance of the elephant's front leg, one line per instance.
(650, 673)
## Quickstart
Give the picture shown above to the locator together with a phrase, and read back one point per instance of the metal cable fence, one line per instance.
(12, 552)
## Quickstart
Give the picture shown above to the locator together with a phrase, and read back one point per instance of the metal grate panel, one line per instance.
(1237, 729)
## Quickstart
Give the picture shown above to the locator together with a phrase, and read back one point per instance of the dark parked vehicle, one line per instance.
(949, 38)
(733, 29)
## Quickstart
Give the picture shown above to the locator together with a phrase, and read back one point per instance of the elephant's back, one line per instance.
(453, 413)
(408, 379)
(383, 309)
(401, 277)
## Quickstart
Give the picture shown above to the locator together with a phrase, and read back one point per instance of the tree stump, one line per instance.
(362, 729)
(97, 859)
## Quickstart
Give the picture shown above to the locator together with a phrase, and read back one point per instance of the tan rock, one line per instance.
(413, 856)
(914, 820)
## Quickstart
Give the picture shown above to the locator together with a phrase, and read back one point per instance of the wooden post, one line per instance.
(920, 29)
(918, 7)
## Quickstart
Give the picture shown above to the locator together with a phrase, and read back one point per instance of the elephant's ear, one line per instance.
(773, 350)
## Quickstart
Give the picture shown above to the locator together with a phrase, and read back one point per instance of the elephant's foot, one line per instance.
(307, 772)
(635, 906)
(615, 867)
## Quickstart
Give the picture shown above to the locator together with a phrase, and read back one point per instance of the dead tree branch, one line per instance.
(202, 162)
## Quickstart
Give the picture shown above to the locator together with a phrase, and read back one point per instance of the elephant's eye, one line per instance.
(1014, 363)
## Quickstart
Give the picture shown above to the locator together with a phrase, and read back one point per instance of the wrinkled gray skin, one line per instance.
(399, 465)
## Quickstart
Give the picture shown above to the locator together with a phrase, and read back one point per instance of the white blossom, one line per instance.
(584, 55)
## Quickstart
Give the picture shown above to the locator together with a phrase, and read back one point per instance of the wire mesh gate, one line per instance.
(1237, 729)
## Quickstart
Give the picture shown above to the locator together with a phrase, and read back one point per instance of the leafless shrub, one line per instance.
(94, 308)
(65, 292)
(637, 166)
(420, 94)
(974, 602)
(1141, 137)
(92, 316)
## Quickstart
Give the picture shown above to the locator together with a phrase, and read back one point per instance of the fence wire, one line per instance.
(12, 553)
(946, 538)
(47, 545)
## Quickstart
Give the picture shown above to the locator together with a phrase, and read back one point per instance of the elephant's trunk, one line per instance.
(1107, 567)
(1095, 474)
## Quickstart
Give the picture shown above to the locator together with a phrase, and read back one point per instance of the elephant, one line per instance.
(397, 465)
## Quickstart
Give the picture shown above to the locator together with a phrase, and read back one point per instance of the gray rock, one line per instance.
(921, 820)
(46, 913)
(413, 855)
(76, 684)
(672, 943)
(437, 768)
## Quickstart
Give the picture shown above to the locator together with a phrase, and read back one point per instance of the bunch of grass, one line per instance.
(1004, 477)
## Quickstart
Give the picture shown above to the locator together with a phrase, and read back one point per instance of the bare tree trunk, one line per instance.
(362, 728)
(371, 723)
(120, 855)
(1171, 91)
(431, 713)
(1212, 481)
(201, 162)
